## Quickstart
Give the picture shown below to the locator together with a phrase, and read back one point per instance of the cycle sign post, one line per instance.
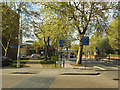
(85, 41)
(61, 43)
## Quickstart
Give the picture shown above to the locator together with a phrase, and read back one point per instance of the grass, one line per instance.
(115, 55)
(24, 58)
(49, 64)
(22, 63)
(80, 65)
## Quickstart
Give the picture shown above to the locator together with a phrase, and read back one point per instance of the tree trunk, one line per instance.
(45, 54)
(5, 52)
(45, 48)
(50, 53)
(48, 47)
(80, 51)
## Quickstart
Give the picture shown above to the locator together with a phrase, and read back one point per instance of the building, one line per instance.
(28, 50)
(10, 27)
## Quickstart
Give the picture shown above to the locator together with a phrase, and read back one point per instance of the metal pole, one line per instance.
(60, 55)
(85, 56)
(70, 53)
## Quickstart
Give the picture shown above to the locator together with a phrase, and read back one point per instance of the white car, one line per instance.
(23, 55)
(35, 55)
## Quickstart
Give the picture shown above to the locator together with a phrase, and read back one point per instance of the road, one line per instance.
(109, 69)
(101, 63)
(53, 78)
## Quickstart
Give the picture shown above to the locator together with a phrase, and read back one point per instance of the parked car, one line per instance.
(23, 55)
(6, 61)
(35, 55)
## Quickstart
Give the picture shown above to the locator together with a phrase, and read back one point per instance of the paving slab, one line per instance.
(10, 80)
(33, 63)
(41, 80)
(68, 65)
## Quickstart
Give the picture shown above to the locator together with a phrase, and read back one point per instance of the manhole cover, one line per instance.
(22, 73)
(75, 68)
(80, 74)
(86, 69)
(116, 79)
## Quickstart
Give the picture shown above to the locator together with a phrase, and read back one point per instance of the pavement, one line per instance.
(40, 80)
(55, 78)
(33, 63)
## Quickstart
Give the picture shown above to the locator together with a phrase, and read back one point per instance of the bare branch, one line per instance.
(2, 45)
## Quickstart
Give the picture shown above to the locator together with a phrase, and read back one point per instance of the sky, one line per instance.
(34, 8)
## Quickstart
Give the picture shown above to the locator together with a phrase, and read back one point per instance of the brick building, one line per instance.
(10, 27)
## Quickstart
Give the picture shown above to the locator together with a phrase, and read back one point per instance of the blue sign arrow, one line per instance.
(61, 45)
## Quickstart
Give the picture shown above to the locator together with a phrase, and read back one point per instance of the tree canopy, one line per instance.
(87, 17)
(10, 26)
(113, 34)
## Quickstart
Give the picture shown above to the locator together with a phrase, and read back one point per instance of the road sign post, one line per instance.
(85, 41)
(61, 42)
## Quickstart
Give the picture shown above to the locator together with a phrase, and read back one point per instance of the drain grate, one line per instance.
(116, 79)
(80, 74)
(86, 69)
(75, 68)
(22, 73)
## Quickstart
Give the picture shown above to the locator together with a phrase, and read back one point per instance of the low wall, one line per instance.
(114, 57)
(105, 57)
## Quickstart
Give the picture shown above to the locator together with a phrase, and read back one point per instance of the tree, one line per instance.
(92, 44)
(102, 44)
(37, 45)
(104, 47)
(50, 31)
(113, 34)
(75, 47)
(87, 17)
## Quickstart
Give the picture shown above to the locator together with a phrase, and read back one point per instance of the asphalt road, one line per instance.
(101, 63)
(109, 69)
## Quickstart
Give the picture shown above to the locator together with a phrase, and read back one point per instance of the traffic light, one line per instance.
(96, 49)
(66, 49)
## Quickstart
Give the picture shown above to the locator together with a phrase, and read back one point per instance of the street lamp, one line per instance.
(18, 54)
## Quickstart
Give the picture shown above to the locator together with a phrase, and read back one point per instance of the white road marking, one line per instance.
(99, 68)
(115, 67)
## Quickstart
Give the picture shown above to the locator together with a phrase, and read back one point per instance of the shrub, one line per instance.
(54, 58)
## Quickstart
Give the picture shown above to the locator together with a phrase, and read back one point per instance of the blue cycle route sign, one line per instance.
(61, 42)
(85, 40)
(16, 46)
(61, 45)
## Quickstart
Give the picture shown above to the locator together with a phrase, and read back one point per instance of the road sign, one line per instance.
(61, 45)
(16, 46)
(85, 40)
(59, 62)
(61, 41)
